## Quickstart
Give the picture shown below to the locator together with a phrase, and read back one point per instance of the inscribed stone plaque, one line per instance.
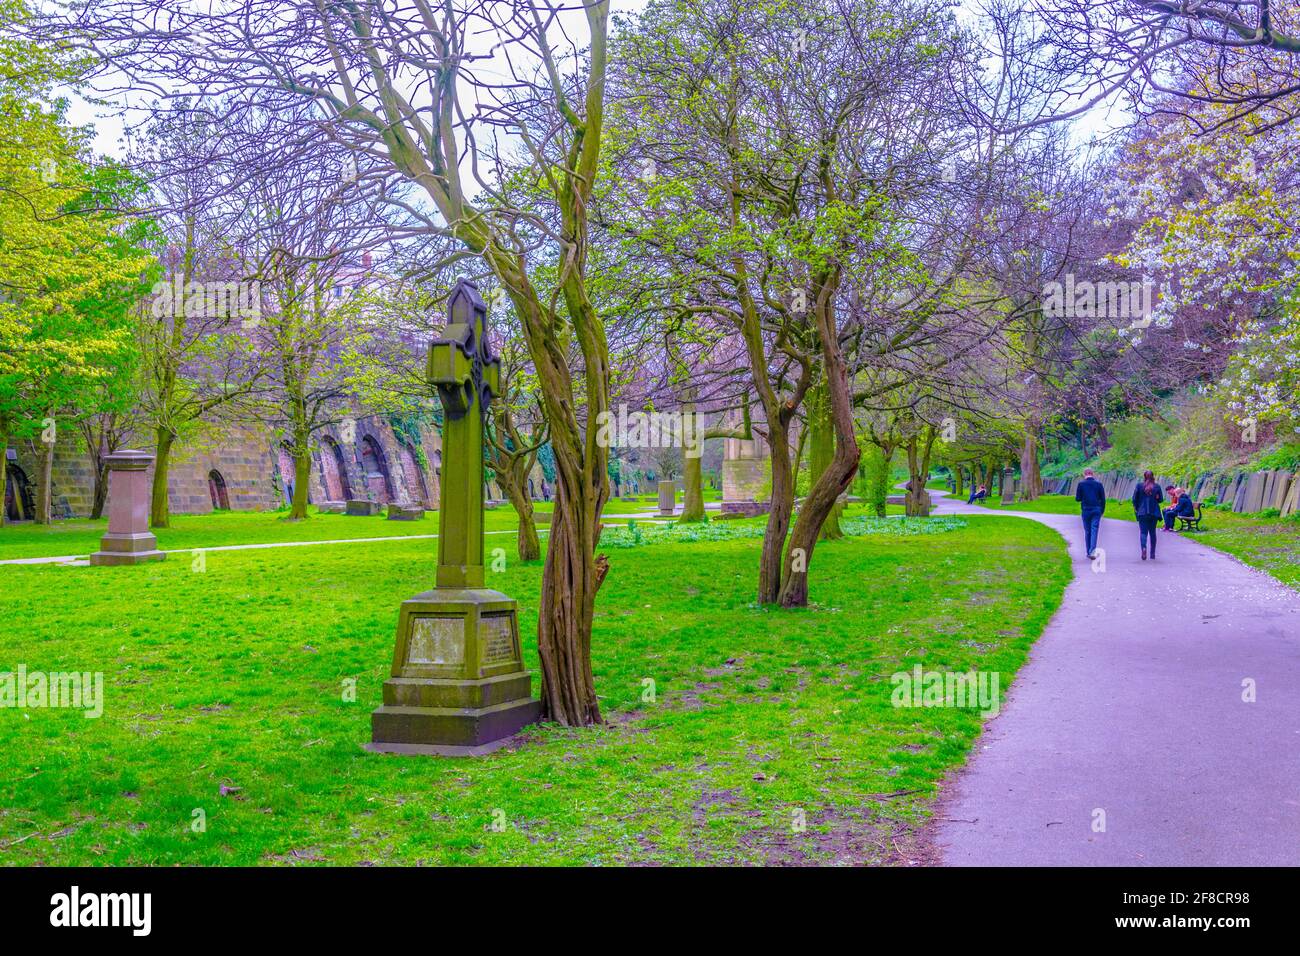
(437, 640)
(498, 638)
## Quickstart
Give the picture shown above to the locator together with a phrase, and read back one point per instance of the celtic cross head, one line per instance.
(461, 364)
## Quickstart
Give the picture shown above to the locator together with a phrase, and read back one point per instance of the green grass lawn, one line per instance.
(80, 536)
(1270, 544)
(225, 693)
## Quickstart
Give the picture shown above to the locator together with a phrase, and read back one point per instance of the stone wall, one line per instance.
(1247, 492)
(248, 461)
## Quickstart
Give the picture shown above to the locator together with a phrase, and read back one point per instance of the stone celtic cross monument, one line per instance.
(458, 683)
(129, 540)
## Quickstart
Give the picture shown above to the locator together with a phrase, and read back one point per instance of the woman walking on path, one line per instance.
(1147, 497)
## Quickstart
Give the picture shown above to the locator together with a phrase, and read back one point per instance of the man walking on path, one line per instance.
(1091, 495)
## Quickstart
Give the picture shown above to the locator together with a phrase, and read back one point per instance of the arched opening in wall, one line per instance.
(20, 498)
(286, 473)
(334, 470)
(414, 474)
(376, 468)
(217, 490)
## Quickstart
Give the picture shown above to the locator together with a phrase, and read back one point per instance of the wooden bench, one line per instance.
(1190, 524)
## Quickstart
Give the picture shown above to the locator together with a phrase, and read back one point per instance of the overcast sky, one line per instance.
(110, 140)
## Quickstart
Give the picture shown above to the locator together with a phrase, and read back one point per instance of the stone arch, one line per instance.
(19, 498)
(218, 491)
(334, 470)
(375, 465)
(413, 473)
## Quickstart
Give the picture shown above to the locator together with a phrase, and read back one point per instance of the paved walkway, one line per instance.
(1131, 704)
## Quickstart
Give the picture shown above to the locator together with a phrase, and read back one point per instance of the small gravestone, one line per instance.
(667, 498)
(1281, 488)
(405, 512)
(331, 507)
(128, 540)
(458, 684)
(1253, 498)
(360, 507)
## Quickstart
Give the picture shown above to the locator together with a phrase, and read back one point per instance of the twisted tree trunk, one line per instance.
(838, 476)
(821, 454)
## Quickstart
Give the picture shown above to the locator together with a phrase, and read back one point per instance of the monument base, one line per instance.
(435, 750)
(458, 685)
(127, 548)
(746, 509)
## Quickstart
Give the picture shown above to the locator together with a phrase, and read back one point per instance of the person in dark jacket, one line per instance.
(1183, 507)
(1147, 497)
(1091, 495)
(977, 494)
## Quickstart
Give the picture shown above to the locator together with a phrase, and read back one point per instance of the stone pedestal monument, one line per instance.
(458, 684)
(128, 540)
(667, 499)
(744, 477)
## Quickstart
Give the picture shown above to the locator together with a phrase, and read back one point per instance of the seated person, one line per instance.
(1183, 507)
(1171, 495)
(977, 494)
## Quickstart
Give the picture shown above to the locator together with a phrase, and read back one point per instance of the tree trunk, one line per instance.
(4, 475)
(693, 488)
(100, 495)
(44, 483)
(838, 476)
(879, 459)
(919, 450)
(821, 439)
(959, 482)
(528, 544)
(301, 479)
(159, 507)
(1031, 479)
(570, 579)
(778, 517)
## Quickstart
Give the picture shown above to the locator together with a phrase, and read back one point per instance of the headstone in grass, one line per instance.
(458, 684)
(405, 512)
(667, 498)
(361, 507)
(128, 540)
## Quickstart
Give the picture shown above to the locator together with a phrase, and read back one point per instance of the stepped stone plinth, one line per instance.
(128, 540)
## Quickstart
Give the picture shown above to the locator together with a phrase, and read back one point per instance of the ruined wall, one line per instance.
(249, 462)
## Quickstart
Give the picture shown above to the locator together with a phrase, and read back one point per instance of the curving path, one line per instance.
(1131, 704)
